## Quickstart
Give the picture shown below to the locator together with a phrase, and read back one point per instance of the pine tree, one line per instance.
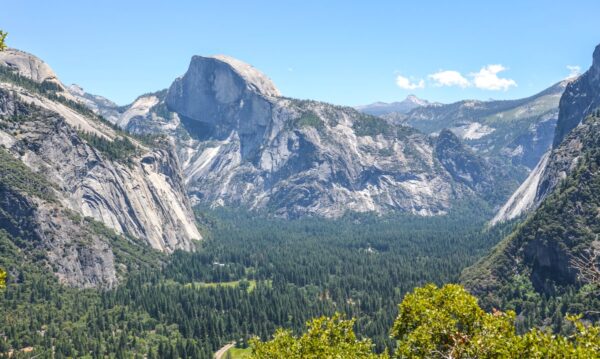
(3, 40)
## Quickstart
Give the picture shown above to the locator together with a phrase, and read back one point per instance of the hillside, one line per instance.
(534, 269)
(89, 172)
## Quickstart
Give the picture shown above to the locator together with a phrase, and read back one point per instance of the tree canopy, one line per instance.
(436, 322)
(2, 40)
(2, 279)
(325, 338)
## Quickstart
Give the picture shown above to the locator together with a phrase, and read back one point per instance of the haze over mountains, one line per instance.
(383, 108)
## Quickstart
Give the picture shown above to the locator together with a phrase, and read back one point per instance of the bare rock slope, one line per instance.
(242, 144)
(94, 171)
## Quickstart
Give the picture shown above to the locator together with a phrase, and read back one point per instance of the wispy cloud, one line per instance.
(449, 78)
(407, 84)
(574, 71)
(487, 78)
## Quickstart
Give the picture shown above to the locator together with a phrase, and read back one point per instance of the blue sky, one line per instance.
(344, 52)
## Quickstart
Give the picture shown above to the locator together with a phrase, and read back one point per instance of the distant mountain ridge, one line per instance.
(383, 108)
(518, 131)
(242, 144)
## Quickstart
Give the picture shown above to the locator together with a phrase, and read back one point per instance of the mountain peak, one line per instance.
(382, 108)
(596, 57)
(417, 101)
(30, 66)
(254, 77)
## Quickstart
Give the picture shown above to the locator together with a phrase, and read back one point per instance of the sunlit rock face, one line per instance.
(241, 144)
(141, 196)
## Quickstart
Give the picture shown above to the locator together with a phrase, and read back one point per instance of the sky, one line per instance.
(343, 52)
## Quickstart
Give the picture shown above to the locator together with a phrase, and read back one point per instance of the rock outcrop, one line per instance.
(30, 67)
(131, 187)
(580, 99)
(564, 197)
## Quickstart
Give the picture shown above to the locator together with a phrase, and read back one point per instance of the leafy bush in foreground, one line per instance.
(436, 322)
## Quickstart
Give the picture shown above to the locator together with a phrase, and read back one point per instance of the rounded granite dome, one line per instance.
(29, 66)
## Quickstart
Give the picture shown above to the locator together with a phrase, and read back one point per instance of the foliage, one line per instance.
(120, 149)
(308, 119)
(3, 40)
(16, 175)
(2, 278)
(436, 322)
(366, 125)
(301, 269)
(325, 338)
(448, 323)
(239, 353)
(565, 226)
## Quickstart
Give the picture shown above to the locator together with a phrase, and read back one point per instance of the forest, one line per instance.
(252, 275)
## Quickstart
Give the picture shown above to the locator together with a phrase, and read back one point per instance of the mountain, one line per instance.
(242, 144)
(383, 108)
(98, 104)
(519, 131)
(540, 258)
(581, 97)
(72, 184)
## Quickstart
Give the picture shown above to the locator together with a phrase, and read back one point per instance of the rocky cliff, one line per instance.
(132, 187)
(564, 193)
(563, 227)
(242, 144)
(581, 98)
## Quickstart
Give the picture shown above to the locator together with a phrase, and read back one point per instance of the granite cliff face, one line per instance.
(580, 99)
(242, 144)
(563, 226)
(563, 196)
(30, 67)
(95, 172)
(220, 95)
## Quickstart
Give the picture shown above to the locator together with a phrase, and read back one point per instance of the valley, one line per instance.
(219, 218)
(285, 272)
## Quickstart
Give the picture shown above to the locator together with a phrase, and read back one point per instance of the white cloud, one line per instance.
(449, 78)
(405, 83)
(487, 78)
(574, 71)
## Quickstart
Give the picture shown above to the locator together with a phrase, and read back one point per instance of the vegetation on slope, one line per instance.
(532, 271)
(16, 175)
(360, 266)
(120, 149)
